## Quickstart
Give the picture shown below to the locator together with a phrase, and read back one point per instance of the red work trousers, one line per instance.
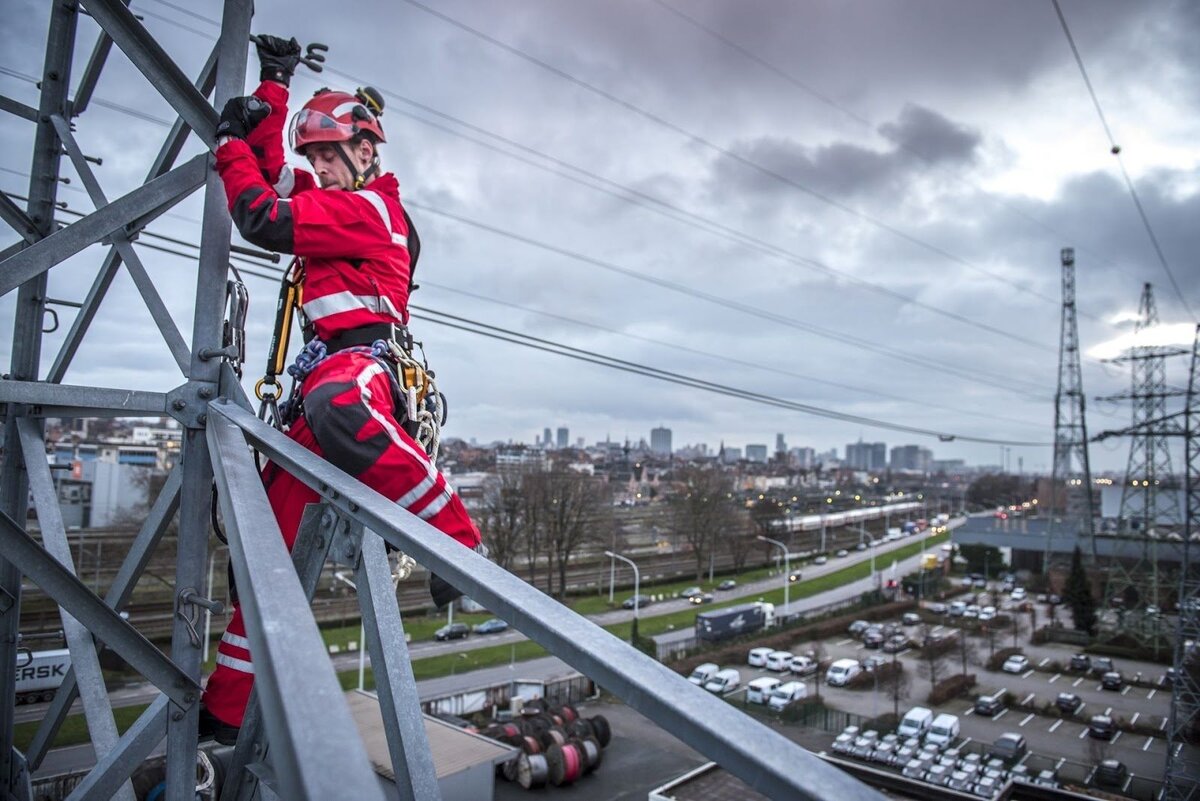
(350, 419)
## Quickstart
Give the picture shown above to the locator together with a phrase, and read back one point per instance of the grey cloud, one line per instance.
(931, 136)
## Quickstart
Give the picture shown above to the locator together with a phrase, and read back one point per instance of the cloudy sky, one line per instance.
(856, 206)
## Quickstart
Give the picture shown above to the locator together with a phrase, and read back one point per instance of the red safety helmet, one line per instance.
(332, 116)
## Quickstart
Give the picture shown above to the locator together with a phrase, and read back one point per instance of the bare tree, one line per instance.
(532, 508)
(968, 654)
(701, 510)
(934, 654)
(896, 684)
(572, 502)
(501, 522)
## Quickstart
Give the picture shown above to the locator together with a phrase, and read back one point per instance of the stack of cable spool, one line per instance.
(558, 745)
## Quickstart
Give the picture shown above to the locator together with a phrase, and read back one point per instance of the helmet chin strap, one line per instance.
(360, 178)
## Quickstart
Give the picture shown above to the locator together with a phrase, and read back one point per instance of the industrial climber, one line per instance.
(355, 250)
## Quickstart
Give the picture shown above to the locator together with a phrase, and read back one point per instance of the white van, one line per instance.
(841, 671)
(758, 690)
(943, 731)
(779, 660)
(916, 723)
(802, 666)
(725, 681)
(758, 657)
(786, 693)
(703, 673)
(957, 608)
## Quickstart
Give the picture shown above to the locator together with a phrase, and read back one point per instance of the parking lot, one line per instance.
(1048, 734)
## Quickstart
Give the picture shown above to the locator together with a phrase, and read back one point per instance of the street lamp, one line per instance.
(637, 606)
(787, 569)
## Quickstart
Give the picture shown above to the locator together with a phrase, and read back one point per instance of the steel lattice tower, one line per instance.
(1071, 479)
(1147, 513)
(1182, 775)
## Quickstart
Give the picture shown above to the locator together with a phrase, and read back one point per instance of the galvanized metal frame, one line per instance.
(293, 750)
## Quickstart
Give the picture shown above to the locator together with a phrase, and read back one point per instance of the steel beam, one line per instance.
(96, 400)
(315, 748)
(135, 745)
(72, 594)
(91, 74)
(763, 759)
(396, 687)
(18, 109)
(148, 56)
(148, 200)
(123, 244)
(85, 662)
(119, 592)
(18, 220)
(26, 357)
(231, 53)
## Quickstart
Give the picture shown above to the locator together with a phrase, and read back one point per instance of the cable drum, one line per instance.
(555, 735)
(509, 769)
(581, 729)
(532, 770)
(531, 745)
(603, 732)
(568, 713)
(593, 754)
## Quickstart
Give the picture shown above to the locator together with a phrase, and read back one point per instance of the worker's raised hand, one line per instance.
(278, 57)
(241, 115)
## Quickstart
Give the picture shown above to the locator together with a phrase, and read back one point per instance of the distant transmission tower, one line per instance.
(1149, 505)
(1181, 779)
(1071, 505)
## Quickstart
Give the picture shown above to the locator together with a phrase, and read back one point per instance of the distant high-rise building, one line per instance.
(803, 458)
(547, 440)
(660, 441)
(866, 455)
(780, 444)
(564, 437)
(911, 457)
(732, 455)
(756, 453)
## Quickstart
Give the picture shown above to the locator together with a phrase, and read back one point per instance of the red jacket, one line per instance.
(354, 245)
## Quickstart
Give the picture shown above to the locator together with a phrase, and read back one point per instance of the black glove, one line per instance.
(278, 58)
(241, 116)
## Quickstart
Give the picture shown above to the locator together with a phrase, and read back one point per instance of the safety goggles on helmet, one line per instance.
(310, 125)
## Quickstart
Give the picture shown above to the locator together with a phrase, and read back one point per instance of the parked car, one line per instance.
(787, 693)
(1009, 747)
(937, 608)
(453, 631)
(841, 672)
(1018, 594)
(802, 666)
(943, 731)
(701, 675)
(493, 626)
(702, 598)
(1068, 703)
(1017, 663)
(910, 618)
(862, 546)
(725, 681)
(987, 613)
(1081, 662)
(972, 611)
(727, 584)
(957, 608)
(916, 722)
(779, 661)
(1054, 600)
(636, 602)
(1111, 773)
(873, 661)
(1102, 727)
(842, 553)
(758, 690)
(989, 705)
(1101, 665)
(1111, 681)
(858, 627)
(895, 644)
(820, 560)
(758, 657)
(690, 591)
(873, 638)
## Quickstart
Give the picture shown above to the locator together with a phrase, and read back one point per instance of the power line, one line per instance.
(708, 354)
(698, 139)
(753, 311)
(1116, 151)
